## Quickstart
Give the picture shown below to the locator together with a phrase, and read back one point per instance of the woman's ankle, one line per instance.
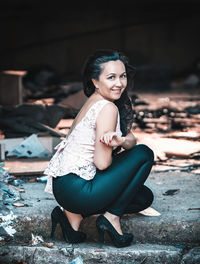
(115, 221)
(111, 217)
(74, 219)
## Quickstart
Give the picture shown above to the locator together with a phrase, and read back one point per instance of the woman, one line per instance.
(89, 174)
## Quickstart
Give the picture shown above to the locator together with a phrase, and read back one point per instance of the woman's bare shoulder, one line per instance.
(110, 106)
(108, 112)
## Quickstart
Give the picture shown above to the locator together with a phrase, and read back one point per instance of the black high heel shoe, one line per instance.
(69, 234)
(118, 240)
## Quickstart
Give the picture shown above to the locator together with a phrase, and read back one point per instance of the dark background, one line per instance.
(161, 38)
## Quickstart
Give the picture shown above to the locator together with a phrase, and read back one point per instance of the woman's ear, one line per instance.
(95, 82)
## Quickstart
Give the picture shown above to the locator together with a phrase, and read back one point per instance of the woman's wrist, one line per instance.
(123, 140)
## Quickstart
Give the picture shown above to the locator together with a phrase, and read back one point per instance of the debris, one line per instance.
(35, 240)
(49, 244)
(30, 147)
(74, 101)
(41, 80)
(179, 148)
(18, 204)
(4, 174)
(168, 147)
(2, 151)
(21, 190)
(32, 180)
(144, 259)
(177, 165)
(167, 168)
(193, 109)
(193, 208)
(165, 114)
(2, 243)
(6, 224)
(197, 171)
(27, 119)
(171, 192)
(65, 123)
(42, 179)
(27, 167)
(150, 212)
(194, 135)
(17, 182)
(78, 260)
(180, 246)
(191, 81)
(19, 261)
(9, 194)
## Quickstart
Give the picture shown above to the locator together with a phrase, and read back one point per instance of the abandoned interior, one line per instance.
(43, 47)
(42, 50)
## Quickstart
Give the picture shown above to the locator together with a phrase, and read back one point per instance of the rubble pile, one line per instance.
(170, 125)
(168, 122)
(167, 114)
(9, 195)
(26, 119)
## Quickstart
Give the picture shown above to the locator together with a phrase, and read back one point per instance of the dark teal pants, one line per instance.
(119, 189)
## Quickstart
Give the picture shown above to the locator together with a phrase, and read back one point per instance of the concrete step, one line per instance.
(176, 224)
(171, 238)
(90, 253)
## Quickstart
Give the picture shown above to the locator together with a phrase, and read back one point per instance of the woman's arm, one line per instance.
(107, 138)
(129, 141)
(105, 124)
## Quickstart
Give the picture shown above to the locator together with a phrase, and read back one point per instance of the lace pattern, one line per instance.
(76, 152)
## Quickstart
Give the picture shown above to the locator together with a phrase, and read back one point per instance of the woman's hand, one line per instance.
(112, 139)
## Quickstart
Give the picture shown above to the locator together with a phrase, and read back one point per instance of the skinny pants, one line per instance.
(119, 189)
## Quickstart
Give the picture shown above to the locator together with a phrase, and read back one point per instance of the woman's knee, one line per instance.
(145, 152)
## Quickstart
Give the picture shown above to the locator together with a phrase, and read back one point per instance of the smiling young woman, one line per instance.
(88, 174)
(112, 81)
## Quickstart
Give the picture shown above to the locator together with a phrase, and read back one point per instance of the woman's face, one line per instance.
(112, 80)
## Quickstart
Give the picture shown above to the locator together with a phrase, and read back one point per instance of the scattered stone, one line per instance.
(7, 230)
(18, 204)
(36, 240)
(171, 192)
(49, 244)
(192, 257)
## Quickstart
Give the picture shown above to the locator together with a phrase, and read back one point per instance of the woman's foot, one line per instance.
(69, 234)
(115, 221)
(103, 224)
(74, 219)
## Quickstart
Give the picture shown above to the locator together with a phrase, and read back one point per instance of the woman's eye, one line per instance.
(123, 75)
(111, 77)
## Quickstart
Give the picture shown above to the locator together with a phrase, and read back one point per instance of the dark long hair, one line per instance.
(93, 68)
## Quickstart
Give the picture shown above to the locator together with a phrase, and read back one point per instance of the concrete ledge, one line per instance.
(176, 224)
(91, 254)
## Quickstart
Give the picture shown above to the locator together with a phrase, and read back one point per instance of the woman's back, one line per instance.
(76, 152)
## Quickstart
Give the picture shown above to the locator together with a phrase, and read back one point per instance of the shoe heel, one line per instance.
(101, 237)
(53, 226)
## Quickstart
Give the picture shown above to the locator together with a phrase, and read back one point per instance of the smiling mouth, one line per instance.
(119, 89)
(116, 90)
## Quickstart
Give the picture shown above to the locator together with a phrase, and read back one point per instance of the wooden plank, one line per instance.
(163, 147)
(25, 167)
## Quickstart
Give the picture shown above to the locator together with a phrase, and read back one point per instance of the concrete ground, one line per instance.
(171, 237)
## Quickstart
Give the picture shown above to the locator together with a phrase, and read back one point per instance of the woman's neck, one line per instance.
(97, 95)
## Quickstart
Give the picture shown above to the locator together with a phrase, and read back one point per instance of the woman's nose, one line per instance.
(118, 82)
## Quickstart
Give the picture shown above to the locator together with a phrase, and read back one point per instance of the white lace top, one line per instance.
(76, 152)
